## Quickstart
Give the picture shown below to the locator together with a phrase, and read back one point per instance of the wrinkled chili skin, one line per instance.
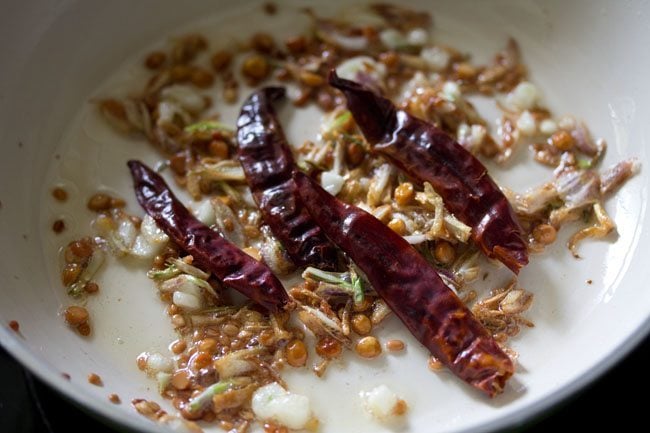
(412, 289)
(428, 154)
(209, 249)
(267, 161)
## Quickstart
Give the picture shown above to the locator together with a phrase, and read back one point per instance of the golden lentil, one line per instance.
(400, 407)
(328, 347)
(178, 320)
(91, 287)
(99, 202)
(255, 68)
(263, 42)
(70, 273)
(444, 252)
(395, 345)
(221, 60)
(267, 338)
(562, 140)
(465, 71)
(120, 203)
(155, 60)
(141, 361)
(368, 347)
(201, 78)
(230, 329)
(180, 73)
(180, 379)
(84, 329)
(60, 194)
(270, 8)
(253, 252)
(94, 379)
(177, 164)
(296, 44)
(383, 213)
(178, 347)
(296, 353)
(326, 102)
(58, 226)
(545, 234)
(200, 360)
(14, 325)
(78, 251)
(434, 364)
(390, 59)
(361, 324)
(75, 315)
(398, 226)
(208, 345)
(218, 149)
(354, 153)
(311, 79)
(404, 193)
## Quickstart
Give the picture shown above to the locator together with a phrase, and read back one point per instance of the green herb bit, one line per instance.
(584, 164)
(208, 126)
(76, 289)
(357, 287)
(165, 274)
(348, 281)
(230, 191)
(201, 400)
(340, 121)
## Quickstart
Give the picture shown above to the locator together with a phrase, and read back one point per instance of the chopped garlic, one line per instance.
(272, 402)
(186, 301)
(362, 64)
(205, 213)
(567, 123)
(526, 123)
(523, 97)
(151, 232)
(332, 182)
(451, 91)
(548, 126)
(436, 58)
(392, 39)
(382, 403)
(156, 363)
(471, 137)
(417, 37)
(186, 284)
(185, 96)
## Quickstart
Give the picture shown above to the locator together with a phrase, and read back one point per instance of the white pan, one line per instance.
(589, 57)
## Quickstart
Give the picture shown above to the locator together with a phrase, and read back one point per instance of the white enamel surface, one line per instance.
(587, 57)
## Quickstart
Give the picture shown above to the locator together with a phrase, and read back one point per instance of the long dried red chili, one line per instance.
(412, 289)
(209, 249)
(268, 163)
(428, 154)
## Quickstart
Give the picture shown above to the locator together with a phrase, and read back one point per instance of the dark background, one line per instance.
(619, 398)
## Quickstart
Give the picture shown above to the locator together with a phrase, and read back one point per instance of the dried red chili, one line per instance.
(268, 162)
(412, 289)
(210, 250)
(428, 154)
